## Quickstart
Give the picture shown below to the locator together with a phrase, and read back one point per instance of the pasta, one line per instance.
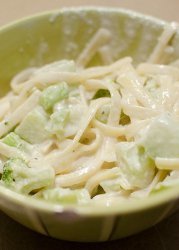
(74, 135)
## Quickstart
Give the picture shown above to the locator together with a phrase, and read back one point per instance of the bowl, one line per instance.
(60, 34)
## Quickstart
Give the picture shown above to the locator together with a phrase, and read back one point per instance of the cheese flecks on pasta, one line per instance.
(73, 135)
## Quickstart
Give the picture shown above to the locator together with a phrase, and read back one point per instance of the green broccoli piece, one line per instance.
(66, 195)
(18, 176)
(7, 175)
(58, 121)
(14, 140)
(54, 94)
(32, 128)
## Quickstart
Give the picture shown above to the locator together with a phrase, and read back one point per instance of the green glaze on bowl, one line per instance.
(63, 34)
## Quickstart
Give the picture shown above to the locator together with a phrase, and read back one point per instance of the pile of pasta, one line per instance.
(73, 134)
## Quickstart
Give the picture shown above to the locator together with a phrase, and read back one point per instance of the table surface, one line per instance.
(164, 236)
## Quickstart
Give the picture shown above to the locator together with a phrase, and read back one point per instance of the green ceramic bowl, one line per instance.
(63, 34)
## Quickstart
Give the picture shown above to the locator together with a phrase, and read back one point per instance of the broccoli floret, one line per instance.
(14, 140)
(58, 121)
(54, 94)
(18, 176)
(66, 195)
(7, 176)
(32, 128)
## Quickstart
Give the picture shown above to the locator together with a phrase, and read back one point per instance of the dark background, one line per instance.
(164, 236)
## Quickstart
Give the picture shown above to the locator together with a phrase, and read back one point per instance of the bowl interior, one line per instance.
(63, 34)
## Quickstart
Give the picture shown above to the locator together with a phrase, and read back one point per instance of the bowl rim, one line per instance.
(168, 196)
(53, 13)
(124, 207)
